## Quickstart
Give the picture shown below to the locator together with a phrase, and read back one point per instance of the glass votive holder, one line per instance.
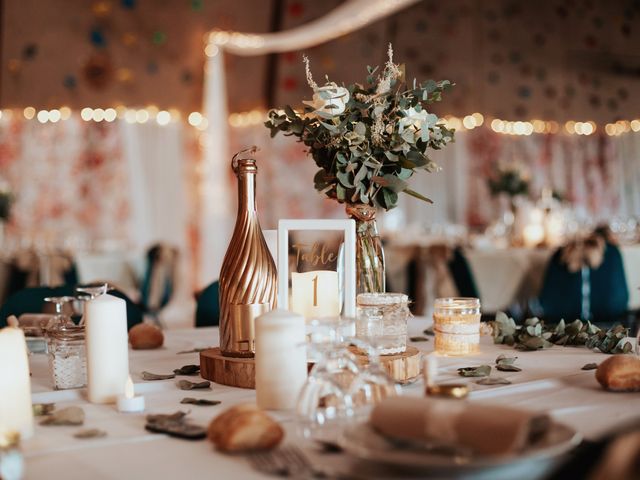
(383, 315)
(456, 325)
(67, 356)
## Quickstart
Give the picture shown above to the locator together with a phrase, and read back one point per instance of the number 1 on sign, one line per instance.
(315, 291)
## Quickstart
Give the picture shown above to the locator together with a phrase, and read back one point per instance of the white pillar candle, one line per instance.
(281, 359)
(107, 348)
(315, 294)
(16, 413)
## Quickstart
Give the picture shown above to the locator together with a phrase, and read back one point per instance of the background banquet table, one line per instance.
(551, 381)
(509, 275)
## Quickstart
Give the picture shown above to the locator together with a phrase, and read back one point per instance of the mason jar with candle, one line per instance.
(67, 356)
(383, 316)
(456, 324)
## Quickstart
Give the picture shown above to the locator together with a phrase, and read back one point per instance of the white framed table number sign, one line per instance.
(317, 267)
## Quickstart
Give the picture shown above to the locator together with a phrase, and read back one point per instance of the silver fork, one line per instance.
(291, 462)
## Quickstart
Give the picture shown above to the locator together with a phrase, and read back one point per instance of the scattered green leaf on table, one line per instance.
(504, 360)
(429, 331)
(589, 366)
(90, 433)
(154, 376)
(41, 409)
(187, 385)
(419, 339)
(481, 371)
(65, 416)
(493, 381)
(200, 401)
(505, 367)
(175, 425)
(187, 370)
(194, 350)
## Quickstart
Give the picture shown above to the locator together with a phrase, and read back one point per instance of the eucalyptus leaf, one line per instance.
(194, 350)
(505, 367)
(65, 416)
(154, 376)
(187, 370)
(481, 371)
(589, 366)
(187, 385)
(418, 339)
(90, 433)
(41, 409)
(504, 360)
(493, 381)
(200, 401)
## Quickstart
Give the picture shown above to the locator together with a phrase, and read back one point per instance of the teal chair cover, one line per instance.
(462, 275)
(561, 295)
(146, 286)
(31, 300)
(208, 308)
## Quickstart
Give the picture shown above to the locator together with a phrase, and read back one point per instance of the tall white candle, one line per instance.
(315, 294)
(281, 359)
(16, 413)
(107, 348)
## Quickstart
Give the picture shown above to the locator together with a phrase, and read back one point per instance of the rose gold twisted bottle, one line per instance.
(248, 279)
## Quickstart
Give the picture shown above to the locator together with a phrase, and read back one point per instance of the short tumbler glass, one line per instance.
(384, 315)
(456, 324)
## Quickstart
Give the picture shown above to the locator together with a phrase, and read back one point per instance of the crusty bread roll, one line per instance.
(244, 428)
(145, 337)
(620, 373)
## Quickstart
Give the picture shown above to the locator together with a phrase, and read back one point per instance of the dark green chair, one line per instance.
(462, 275)
(208, 307)
(31, 300)
(561, 295)
(145, 291)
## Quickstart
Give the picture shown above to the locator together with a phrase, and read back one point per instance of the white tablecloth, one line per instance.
(551, 380)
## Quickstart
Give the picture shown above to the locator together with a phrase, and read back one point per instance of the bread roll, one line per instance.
(620, 373)
(244, 428)
(145, 337)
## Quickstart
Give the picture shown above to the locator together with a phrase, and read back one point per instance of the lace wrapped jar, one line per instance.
(382, 319)
(67, 356)
(456, 324)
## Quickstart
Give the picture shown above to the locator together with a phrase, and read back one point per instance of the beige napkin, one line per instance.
(485, 429)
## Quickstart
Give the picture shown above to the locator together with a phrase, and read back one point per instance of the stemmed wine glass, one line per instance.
(90, 294)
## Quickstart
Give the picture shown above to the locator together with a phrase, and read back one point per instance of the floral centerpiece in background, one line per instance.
(508, 182)
(367, 141)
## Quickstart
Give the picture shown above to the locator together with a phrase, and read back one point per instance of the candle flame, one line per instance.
(128, 388)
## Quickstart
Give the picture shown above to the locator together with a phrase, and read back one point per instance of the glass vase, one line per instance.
(370, 276)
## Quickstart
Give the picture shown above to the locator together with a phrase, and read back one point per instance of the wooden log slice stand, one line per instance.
(404, 368)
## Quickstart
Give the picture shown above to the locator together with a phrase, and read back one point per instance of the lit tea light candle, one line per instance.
(16, 413)
(129, 402)
(315, 294)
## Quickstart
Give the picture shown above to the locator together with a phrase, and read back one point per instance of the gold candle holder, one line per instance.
(456, 324)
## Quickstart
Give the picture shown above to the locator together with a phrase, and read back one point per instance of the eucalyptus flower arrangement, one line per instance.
(368, 140)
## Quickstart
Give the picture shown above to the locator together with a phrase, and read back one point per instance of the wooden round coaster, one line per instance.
(232, 371)
(403, 368)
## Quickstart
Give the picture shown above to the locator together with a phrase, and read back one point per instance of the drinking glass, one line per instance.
(325, 404)
(374, 383)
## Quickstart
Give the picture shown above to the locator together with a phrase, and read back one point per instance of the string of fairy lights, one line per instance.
(151, 114)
